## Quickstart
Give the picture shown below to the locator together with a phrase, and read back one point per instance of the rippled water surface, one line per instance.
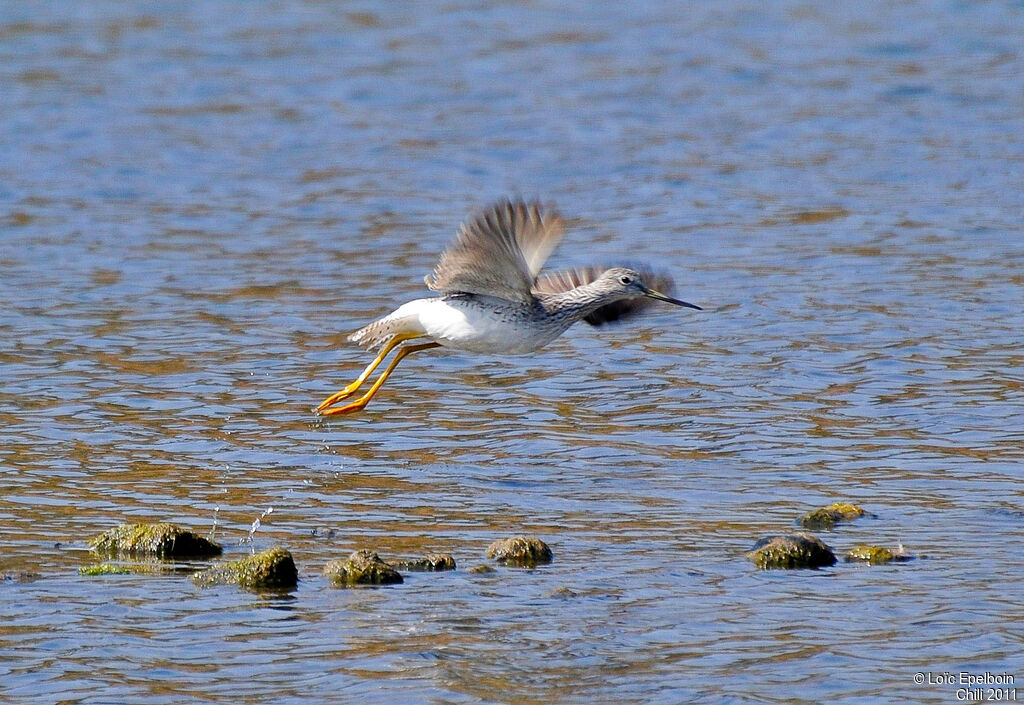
(197, 203)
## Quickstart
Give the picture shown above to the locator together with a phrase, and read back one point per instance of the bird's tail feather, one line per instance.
(375, 335)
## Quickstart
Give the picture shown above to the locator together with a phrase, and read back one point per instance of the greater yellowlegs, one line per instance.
(494, 298)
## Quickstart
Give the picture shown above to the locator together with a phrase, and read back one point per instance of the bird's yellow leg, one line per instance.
(358, 381)
(365, 399)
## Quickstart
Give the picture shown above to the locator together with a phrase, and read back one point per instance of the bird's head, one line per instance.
(629, 283)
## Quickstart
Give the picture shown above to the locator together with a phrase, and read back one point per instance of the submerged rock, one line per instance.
(482, 568)
(433, 562)
(800, 550)
(876, 555)
(520, 551)
(564, 593)
(103, 569)
(19, 576)
(273, 569)
(362, 568)
(826, 518)
(153, 541)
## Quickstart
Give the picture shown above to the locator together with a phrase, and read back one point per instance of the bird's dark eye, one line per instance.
(625, 280)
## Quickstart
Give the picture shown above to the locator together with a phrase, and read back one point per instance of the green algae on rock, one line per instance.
(482, 568)
(520, 551)
(564, 593)
(432, 562)
(876, 555)
(103, 569)
(362, 568)
(826, 518)
(153, 541)
(800, 550)
(272, 569)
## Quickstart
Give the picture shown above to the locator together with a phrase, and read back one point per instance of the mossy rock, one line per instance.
(520, 551)
(103, 569)
(876, 555)
(826, 518)
(153, 541)
(564, 593)
(800, 550)
(273, 570)
(433, 562)
(362, 568)
(482, 569)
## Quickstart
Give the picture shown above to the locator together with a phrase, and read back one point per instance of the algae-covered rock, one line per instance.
(520, 551)
(153, 541)
(433, 562)
(800, 550)
(826, 518)
(103, 569)
(483, 568)
(362, 568)
(273, 569)
(876, 555)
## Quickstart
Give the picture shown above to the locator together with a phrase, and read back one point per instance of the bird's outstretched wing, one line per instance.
(499, 252)
(560, 282)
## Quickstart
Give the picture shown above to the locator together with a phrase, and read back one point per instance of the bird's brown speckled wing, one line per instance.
(499, 252)
(559, 282)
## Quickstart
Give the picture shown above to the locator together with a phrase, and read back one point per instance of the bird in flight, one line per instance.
(494, 298)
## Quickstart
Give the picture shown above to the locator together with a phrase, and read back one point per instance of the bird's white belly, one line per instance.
(476, 327)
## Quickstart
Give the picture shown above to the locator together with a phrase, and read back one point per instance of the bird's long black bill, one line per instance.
(651, 293)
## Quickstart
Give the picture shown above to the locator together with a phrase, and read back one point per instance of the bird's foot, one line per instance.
(338, 396)
(357, 405)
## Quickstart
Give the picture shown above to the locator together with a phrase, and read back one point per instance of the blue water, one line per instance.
(198, 203)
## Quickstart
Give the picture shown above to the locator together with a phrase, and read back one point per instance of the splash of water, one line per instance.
(213, 529)
(254, 528)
